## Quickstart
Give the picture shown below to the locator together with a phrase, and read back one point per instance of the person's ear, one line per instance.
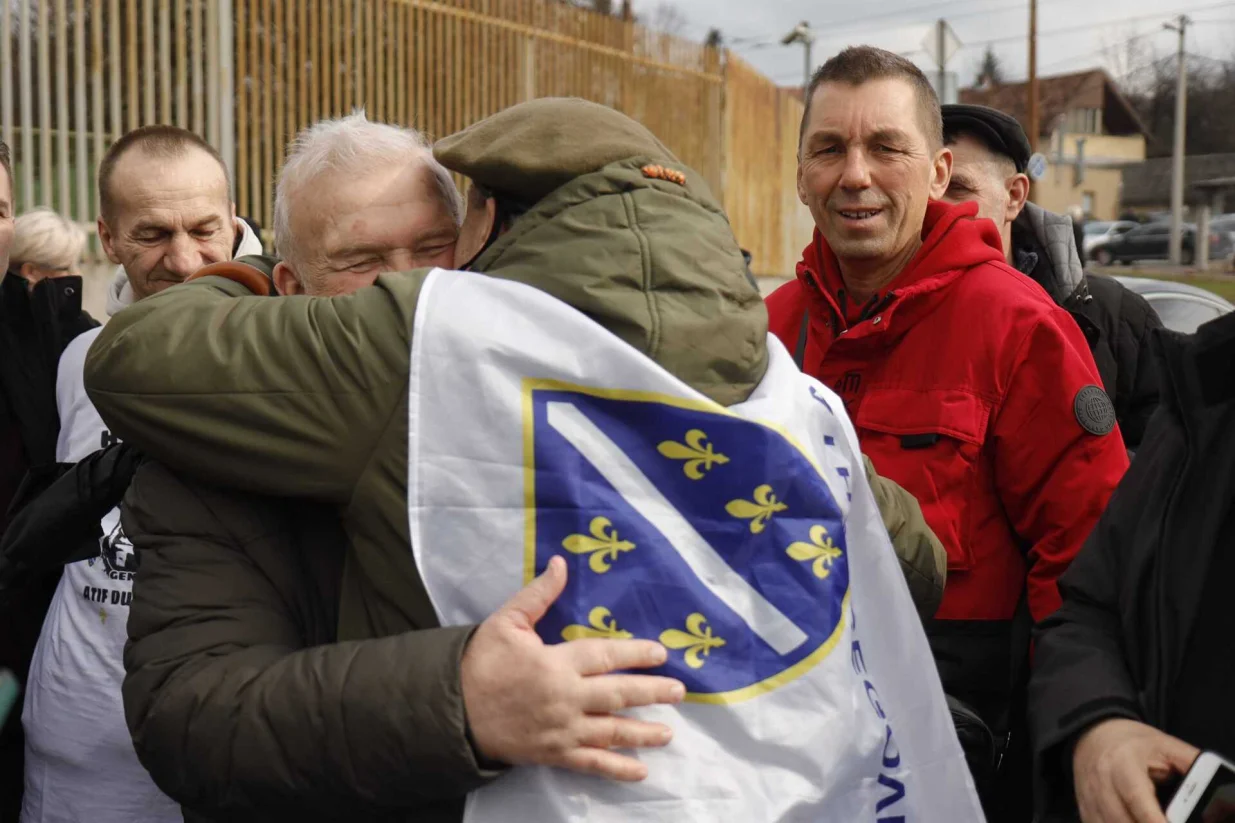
(285, 280)
(1018, 194)
(105, 239)
(941, 173)
(29, 273)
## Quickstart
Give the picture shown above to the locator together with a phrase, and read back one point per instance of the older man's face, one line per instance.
(979, 175)
(348, 229)
(171, 217)
(867, 168)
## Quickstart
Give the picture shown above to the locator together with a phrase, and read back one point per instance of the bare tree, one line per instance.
(714, 39)
(667, 18)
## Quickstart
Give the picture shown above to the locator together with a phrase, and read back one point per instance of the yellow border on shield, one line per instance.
(532, 385)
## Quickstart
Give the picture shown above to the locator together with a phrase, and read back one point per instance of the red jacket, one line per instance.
(961, 380)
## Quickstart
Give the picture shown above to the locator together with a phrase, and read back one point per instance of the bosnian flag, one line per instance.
(744, 539)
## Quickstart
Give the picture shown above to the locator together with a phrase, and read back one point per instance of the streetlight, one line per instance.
(802, 34)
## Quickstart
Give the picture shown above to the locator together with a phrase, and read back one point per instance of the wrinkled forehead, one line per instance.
(860, 111)
(383, 207)
(173, 192)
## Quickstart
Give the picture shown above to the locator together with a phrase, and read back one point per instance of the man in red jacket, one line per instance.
(968, 385)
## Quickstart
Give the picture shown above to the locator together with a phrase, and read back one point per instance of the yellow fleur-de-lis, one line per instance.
(602, 625)
(697, 640)
(696, 451)
(603, 545)
(758, 512)
(820, 551)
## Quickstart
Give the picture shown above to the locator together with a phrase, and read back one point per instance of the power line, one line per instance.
(1086, 26)
(861, 24)
(825, 30)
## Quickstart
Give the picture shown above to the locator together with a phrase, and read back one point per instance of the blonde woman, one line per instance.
(45, 244)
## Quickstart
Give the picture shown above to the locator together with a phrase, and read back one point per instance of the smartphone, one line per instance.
(1207, 794)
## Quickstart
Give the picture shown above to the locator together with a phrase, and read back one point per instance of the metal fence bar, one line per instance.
(182, 64)
(80, 123)
(244, 100)
(196, 37)
(25, 81)
(228, 46)
(97, 111)
(212, 81)
(45, 124)
(63, 194)
(6, 81)
(165, 62)
(148, 79)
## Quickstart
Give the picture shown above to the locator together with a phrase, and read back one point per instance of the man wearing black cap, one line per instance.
(990, 154)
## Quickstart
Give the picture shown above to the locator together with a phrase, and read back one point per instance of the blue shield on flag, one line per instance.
(684, 523)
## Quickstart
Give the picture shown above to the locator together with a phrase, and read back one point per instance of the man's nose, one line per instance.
(856, 174)
(183, 257)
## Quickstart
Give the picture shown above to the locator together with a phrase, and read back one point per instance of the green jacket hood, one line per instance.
(652, 260)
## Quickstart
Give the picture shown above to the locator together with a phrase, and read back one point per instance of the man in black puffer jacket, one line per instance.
(1133, 675)
(990, 155)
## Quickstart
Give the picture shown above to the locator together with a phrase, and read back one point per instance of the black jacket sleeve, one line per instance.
(1084, 669)
(60, 524)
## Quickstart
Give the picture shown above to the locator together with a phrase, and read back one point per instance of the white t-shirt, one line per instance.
(80, 762)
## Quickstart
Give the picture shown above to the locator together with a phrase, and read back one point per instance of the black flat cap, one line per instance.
(998, 131)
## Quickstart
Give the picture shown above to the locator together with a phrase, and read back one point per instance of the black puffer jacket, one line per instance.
(35, 326)
(1116, 321)
(1116, 646)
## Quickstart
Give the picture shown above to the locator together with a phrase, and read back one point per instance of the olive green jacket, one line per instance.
(306, 398)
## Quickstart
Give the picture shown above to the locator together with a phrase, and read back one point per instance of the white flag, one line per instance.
(745, 539)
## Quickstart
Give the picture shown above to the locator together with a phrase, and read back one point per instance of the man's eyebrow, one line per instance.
(889, 136)
(442, 234)
(355, 250)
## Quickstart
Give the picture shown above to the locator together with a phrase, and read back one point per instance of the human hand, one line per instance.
(1115, 765)
(528, 703)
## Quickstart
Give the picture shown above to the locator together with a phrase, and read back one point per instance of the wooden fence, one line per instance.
(249, 74)
(761, 160)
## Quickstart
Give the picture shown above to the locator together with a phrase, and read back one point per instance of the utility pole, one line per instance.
(1181, 133)
(803, 34)
(941, 45)
(1034, 125)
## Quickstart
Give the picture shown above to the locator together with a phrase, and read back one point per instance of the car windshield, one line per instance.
(1097, 228)
(1183, 314)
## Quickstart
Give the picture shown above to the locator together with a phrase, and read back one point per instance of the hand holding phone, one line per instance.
(1116, 766)
(1207, 794)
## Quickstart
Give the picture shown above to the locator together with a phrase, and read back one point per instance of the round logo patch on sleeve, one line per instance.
(1094, 410)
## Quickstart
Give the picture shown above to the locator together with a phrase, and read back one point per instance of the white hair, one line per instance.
(46, 239)
(352, 145)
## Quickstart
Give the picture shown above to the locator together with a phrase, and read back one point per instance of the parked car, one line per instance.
(1226, 223)
(1152, 242)
(1099, 232)
(1181, 306)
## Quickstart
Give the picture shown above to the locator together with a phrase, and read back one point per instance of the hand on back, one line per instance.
(529, 703)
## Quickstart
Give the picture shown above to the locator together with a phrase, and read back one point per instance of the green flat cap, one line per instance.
(532, 148)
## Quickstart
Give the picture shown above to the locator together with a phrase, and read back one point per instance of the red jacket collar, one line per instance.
(970, 242)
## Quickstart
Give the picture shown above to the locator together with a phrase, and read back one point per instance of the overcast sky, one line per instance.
(1074, 34)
